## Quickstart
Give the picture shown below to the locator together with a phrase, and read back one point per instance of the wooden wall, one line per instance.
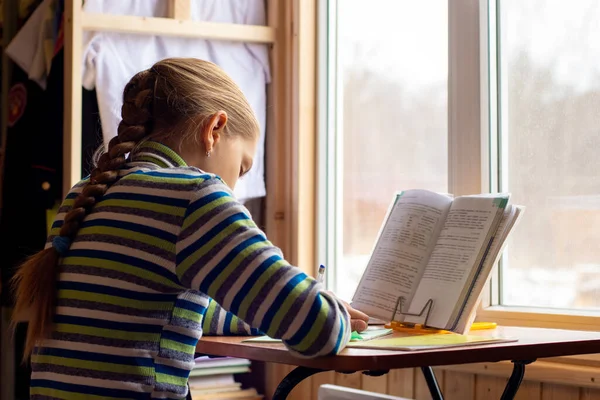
(409, 383)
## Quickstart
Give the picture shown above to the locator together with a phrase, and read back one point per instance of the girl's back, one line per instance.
(125, 287)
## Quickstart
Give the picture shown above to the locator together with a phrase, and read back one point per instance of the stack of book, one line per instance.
(213, 379)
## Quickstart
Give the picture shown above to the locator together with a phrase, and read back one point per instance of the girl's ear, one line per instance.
(212, 130)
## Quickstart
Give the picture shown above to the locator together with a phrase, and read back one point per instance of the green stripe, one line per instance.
(143, 205)
(208, 316)
(210, 245)
(62, 394)
(233, 266)
(131, 235)
(120, 267)
(93, 365)
(257, 287)
(287, 304)
(173, 345)
(107, 333)
(165, 150)
(193, 180)
(187, 314)
(115, 300)
(171, 379)
(193, 217)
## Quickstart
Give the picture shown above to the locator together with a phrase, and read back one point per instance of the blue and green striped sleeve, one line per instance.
(222, 253)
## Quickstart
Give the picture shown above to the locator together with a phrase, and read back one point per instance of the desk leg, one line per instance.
(512, 386)
(432, 384)
(292, 379)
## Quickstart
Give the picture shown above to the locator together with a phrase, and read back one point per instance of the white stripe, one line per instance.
(95, 348)
(145, 221)
(170, 193)
(92, 382)
(175, 363)
(124, 250)
(110, 282)
(109, 316)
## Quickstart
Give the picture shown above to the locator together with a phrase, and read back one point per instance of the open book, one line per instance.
(433, 246)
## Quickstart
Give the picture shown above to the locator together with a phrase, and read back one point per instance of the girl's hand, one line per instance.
(358, 319)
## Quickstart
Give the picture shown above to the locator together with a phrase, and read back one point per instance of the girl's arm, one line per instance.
(222, 253)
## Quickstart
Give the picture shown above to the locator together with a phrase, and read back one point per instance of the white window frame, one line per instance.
(472, 146)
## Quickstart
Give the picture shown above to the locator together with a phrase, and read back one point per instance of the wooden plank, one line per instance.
(180, 9)
(180, 28)
(322, 378)
(400, 382)
(304, 128)
(278, 207)
(273, 375)
(348, 380)
(459, 386)
(72, 94)
(303, 390)
(529, 391)
(540, 371)
(377, 384)
(421, 390)
(590, 394)
(489, 387)
(560, 392)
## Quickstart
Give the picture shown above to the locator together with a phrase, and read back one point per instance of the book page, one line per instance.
(403, 247)
(460, 248)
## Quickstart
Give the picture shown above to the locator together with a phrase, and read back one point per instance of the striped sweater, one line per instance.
(136, 288)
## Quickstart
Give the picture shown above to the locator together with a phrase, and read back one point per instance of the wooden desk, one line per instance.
(533, 343)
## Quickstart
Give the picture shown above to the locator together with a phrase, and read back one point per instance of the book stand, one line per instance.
(400, 306)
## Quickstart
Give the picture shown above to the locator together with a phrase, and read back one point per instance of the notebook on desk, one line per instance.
(435, 247)
(428, 342)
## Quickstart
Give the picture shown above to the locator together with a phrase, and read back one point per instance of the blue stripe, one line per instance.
(131, 226)
(208, 236)
(191, 306)
(239, 297)
(91, 390)
(106, 324)
(179, 338)
(124, 259)
(57, 223)
(71, 195)
(308, 322)
(201, 202)
(281, 297)
(113, 291)
(98, 357)
(148, 198)
(172, 371)
(224, 263)
(227, 326)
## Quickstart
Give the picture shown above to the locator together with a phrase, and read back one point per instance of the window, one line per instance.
(549, 136)
(387, 130)
(389, 71)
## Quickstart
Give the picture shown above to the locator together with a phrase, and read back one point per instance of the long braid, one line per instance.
(35, 280)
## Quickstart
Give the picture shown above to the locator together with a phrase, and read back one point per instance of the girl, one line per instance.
(125, 286)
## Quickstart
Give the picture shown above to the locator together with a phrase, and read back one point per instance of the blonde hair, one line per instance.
(168, 102)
